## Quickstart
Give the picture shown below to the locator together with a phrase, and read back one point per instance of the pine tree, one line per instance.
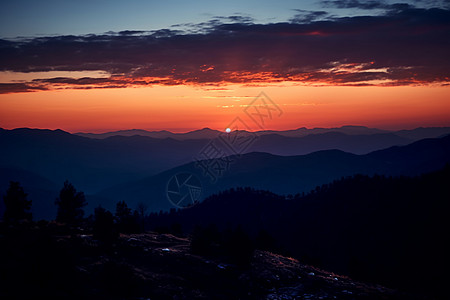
(70, 205)
(126, 221)
(16, 204)
(104, 228)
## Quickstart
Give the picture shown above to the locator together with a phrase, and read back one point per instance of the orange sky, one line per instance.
(183, 108)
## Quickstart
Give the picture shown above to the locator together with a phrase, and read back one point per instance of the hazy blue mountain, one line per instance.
(94, 164)
(41, 191)
(138, 167)
(348, 129)
(353, 143)
(423, 132)
(91, 164)
(288, 174)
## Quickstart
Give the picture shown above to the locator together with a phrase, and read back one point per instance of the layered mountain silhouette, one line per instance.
(137, 168)
(288, 174)
(91, 164)
(205, 133)
(413, 134)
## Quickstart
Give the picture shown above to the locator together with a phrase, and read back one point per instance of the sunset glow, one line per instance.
(185, 107)
(381, 65)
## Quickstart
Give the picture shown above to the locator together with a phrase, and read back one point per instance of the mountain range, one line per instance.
(287, 174)
(207, 133)
(137, 168)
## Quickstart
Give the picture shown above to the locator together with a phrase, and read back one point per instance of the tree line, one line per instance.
(105, 226)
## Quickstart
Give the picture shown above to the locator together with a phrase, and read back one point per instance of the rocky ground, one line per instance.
(161, 266)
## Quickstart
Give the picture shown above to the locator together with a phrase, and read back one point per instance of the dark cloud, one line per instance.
(307, 16)
(131, 32)
(236, 18)
(403, 46)
(370, 4)
(366, 5)
(66, 80)
(9, 88)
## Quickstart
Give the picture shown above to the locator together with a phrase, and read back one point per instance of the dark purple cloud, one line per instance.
(405, 45)
(8, 88)
(366, 5)
(307, 16)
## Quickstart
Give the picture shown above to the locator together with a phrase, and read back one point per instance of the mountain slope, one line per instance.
(289, 174)
(389, 230)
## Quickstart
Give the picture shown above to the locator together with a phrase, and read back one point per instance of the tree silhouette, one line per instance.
(122, 210)
(70, 205)
(16, 204)
(233, 245)
(141, 209)
(205, 240)
(104, 228)
(126, 221)
(238, 246)
(264, 241)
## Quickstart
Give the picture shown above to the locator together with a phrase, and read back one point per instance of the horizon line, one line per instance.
(185, 131)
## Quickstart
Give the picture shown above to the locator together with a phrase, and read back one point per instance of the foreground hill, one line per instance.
(38, 264)
(389, 230)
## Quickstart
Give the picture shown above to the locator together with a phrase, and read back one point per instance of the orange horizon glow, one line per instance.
(182, 108)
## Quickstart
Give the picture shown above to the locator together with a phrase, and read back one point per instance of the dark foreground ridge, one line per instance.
(40, 262)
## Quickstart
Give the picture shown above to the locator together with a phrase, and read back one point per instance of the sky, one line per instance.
(97, 66)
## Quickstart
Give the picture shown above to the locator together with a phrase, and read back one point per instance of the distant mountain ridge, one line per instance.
(412, 134)
(205, 133)
(352, 143)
